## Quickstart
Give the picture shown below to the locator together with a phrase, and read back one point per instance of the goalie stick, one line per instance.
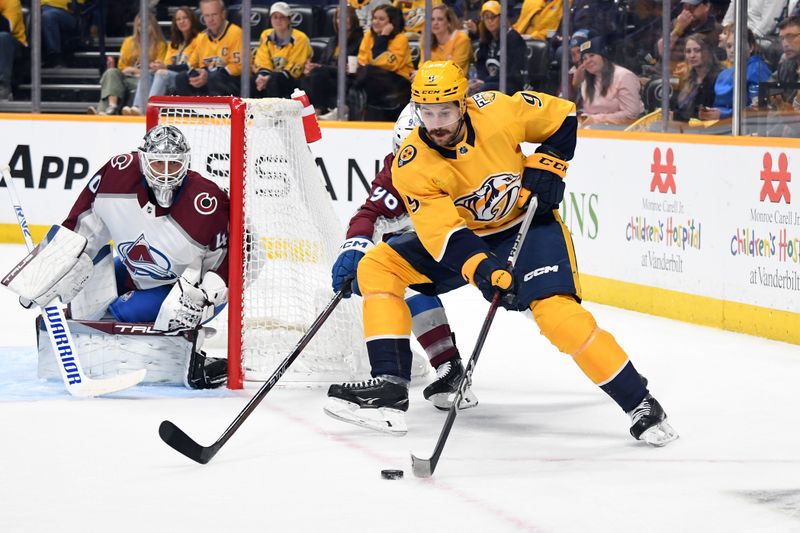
(61, 342)
(425, 467)
(176, 438)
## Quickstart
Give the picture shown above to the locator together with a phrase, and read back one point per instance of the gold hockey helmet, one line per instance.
(439, 82)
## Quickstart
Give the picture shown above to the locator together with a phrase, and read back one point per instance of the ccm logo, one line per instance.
(558, 165)
(539, 271)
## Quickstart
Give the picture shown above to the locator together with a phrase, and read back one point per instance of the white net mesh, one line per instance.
(291, 235)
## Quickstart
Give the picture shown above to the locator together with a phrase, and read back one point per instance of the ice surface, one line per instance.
(544, 451)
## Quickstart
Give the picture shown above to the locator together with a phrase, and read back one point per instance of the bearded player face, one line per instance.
(442, 122)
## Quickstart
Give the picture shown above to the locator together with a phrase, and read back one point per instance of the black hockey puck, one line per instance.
(392, 474)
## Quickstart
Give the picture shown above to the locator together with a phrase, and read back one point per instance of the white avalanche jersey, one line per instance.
(155, 244)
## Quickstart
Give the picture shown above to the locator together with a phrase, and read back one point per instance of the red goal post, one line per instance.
(283, 236)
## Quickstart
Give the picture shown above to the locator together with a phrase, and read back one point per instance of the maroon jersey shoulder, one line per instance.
(120, 175)
(383, 201)
(202, 209)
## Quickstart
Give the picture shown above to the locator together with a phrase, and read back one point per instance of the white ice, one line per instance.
(544, 451)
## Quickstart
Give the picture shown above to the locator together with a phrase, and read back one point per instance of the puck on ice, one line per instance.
(392, 474)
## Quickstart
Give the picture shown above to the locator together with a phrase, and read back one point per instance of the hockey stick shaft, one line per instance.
(181, 442)
(61, 341)
(425, 467)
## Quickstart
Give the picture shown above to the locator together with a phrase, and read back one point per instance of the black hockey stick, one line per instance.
(183, 443)
(425, 467)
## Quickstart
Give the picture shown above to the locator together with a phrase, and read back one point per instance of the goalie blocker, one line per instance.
(109, 348)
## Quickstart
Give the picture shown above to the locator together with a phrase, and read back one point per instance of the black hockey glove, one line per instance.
(543, 176)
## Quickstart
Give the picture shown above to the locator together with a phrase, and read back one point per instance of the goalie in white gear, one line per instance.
(169, 226)
(383, 216)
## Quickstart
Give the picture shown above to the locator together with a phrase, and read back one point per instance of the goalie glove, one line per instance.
(543, 176)
(57, 267)
(350, 253)
(187, 306)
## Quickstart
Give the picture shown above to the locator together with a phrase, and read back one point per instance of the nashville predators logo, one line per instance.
(407, 154)
(494, 199)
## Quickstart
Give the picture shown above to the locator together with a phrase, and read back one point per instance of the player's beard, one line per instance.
(443, 137)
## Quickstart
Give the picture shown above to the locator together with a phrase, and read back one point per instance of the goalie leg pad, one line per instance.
(56, 267)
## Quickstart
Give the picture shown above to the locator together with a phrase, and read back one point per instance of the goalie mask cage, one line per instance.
(284, 237)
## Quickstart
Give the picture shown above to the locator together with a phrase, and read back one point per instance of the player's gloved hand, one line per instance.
(489, 274)
(543, 176)
(346, 265)
(185, 308)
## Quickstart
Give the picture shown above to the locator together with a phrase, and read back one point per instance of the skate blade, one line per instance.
(385, 420)
(659, 435)
(444, 400)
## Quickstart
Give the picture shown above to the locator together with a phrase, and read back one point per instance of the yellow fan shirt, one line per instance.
(220, 51)
(290, 57)
(396, 58)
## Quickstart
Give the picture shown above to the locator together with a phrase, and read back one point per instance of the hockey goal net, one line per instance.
(284, 236)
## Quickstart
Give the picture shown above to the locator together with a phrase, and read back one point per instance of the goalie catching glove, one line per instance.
(489, 274)
(188, 305)
(543, 176)
(57, 267)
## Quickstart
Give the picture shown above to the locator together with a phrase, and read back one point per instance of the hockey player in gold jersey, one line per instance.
(466, 185)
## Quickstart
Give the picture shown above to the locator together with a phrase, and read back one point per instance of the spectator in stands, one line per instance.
(539, 19)
(487, 58)
(469, 11)
(12, 40)
(762, 16)
(281, 56)
(320, 79)
(60, 24)
(601, 17)
(695, 17)
(611, 93)
(638, 49)
(413, 16)
(696, 88)
(185, 27)
(757, 71)
(789, 32)
(117, 84)
(385, 67)
(447, 40)
(215, 64)
(577, 69)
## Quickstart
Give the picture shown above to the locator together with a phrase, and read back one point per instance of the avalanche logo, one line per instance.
(141, 259)
(495, 198)
(205, 204)
(122, 161)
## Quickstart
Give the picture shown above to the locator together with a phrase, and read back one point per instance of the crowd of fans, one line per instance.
(616, 51)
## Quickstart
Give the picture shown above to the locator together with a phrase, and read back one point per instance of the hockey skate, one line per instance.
(649, 423)
(442, 391)
(375, 404)
(205, 372)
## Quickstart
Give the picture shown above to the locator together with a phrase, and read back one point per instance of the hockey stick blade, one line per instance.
(425, 467)
(179, 441)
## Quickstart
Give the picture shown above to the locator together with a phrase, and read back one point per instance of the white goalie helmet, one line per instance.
(164, 159)
(404, 125)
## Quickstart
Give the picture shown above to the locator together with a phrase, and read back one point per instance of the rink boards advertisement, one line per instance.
(703, 229)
